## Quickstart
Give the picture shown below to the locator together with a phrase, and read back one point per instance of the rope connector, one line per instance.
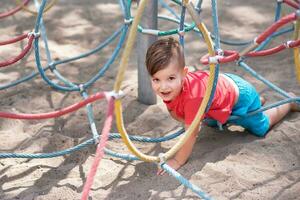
(128, 21)
(279, 1)
(150, 31)
(220, 52)
(81, 88)
(214, 59)
(162, 159)
(35, 34)
(287, 44)
(255, 41)
(297, 14)
(96, 139)
(51, 66)
(181, 32)
(116, 95)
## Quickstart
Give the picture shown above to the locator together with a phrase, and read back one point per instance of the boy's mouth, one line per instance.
(165, 93)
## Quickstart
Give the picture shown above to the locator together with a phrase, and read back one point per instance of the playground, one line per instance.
(51, 158)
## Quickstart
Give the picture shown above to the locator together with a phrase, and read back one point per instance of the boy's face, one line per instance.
(167, 83)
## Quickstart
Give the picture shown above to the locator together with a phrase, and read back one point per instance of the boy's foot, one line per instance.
(295, 107)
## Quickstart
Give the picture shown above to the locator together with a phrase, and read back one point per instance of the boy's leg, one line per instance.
(277, 113)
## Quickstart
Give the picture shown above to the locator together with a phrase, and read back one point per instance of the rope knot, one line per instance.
(128, 21)
(288, 44)
(81, 88)
(162, 159)
(181, 32)
(116, 95)
(297, 13)
(34, 34)
(214, 59)
(51, 66)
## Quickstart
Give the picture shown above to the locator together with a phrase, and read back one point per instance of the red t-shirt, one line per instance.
(187, 103)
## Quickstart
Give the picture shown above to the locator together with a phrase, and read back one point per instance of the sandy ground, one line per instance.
(227, 165)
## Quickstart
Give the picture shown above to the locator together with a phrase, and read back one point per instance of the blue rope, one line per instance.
(84, 144)
(56, 63)
(181, 26)
(111, 60)
(168, 8)
(72, 87)
(90, 115)
(285, 101)
(262, 79)
(216, 47)
(185, 182)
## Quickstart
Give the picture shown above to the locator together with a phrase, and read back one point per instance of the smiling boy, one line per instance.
(183, 91)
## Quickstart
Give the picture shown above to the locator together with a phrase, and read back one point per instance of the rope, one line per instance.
(296, 51)
(185, 182)
(292, 4)
(69, 85)
(89, 142)
(123, 65)
(100, 149)
(50, 5)
(54, 114)
(13, 11)
(14, 40)
(21, 55)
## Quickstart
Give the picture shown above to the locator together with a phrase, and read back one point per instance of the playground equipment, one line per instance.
(215, 57)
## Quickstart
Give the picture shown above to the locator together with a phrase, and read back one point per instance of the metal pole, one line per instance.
(148, 21)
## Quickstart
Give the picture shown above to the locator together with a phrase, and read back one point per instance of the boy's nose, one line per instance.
(163, 86)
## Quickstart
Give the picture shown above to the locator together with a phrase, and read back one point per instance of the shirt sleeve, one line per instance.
(191, 108)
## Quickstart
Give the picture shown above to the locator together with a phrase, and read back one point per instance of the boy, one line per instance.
(183, 91)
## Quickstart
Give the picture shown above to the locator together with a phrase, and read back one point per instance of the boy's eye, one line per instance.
(171, 78)
(155, 80)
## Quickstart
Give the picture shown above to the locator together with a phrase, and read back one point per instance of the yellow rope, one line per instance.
(296, 51)
(129, 45)
(122, 67)
(50, 5)
(197, 119)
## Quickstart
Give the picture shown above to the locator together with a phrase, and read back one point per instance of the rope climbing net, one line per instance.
(215, 57)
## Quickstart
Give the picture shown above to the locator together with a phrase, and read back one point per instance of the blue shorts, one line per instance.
(258, 124)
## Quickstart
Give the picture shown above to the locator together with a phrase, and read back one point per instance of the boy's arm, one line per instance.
(183, 153)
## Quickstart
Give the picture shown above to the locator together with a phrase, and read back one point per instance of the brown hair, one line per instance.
(160, 54)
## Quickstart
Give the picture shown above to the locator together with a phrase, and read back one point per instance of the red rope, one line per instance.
(14, 40)
(21, 55)
(291, 44)
(54, 114)
(275, 26)
(229, 56)
(266, 52)
(292, 4)
(13, 11)
(100, 149)
(297, 1)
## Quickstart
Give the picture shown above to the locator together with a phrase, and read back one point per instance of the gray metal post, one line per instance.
(149, 20)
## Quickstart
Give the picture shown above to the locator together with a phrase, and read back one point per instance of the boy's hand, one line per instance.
(172, 163)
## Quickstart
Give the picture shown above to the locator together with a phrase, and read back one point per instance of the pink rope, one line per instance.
(100, 149)
(54, 114)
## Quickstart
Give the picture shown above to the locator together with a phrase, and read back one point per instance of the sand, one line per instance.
(229, 164)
